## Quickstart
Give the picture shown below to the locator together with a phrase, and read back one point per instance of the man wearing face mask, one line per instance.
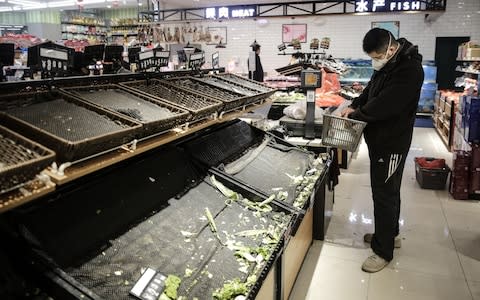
(388, 105)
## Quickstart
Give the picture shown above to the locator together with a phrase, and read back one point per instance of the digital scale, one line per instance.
(308, 128)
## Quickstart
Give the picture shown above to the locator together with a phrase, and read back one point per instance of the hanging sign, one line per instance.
(363, 6)
(230, 12)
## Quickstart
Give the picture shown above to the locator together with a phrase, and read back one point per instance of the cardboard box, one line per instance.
(458, 193)
(475, 159)
(472, 119)
(473, 53)
(474, 186)
(461, 161)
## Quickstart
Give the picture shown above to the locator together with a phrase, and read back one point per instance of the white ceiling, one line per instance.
(16, 5)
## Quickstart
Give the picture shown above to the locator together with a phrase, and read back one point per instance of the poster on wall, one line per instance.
(294, 31)
(217, 34)
(392, 26)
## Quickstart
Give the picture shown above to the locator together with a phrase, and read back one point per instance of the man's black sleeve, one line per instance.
(362, 99)
(399, 90)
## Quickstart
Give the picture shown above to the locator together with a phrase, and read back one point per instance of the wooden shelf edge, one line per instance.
(16, 198)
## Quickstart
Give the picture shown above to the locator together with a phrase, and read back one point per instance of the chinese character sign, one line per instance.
(362, 6)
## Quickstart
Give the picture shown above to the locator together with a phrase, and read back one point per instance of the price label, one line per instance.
(162, 54)
(150, 286)
(145, 55)
(54, 54)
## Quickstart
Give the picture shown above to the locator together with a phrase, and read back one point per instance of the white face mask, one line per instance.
(378, 64)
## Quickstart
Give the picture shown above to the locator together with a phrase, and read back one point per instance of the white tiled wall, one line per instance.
(462, 18)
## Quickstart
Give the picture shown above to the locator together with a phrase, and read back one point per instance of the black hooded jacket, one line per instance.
(389, 102)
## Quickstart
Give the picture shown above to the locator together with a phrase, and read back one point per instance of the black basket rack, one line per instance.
(254, 95)
(73, 128)
(154, 114)
(20, 159)
(246, 82)
(198, 105)
(232, 100)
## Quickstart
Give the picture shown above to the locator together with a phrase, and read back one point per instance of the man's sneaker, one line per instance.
(367, 238)
(374, 264)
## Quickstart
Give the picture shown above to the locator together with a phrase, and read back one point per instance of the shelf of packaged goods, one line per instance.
(458, 69)
(123, 26)
(442, 136)
(83, 33)
(445, 123)
(96, 163)
(448, 110)
(124, 34)
(30, 191)
(80, 24)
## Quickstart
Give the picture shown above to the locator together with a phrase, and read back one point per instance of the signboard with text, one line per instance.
(230, 12)
(369, 6)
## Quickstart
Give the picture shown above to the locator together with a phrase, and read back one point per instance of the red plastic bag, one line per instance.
(330, 83)
(327, 100)
(430, 163)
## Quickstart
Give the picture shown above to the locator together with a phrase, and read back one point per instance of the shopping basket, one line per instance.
(342, 133)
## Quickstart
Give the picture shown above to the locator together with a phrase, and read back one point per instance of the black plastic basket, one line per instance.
(20, 159)
(232, 100)
(434, 179)
(90, 130)
(198, 105)
(155, 115)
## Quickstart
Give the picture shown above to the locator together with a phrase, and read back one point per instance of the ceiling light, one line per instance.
(23, 2)
(109, 6)
(86, 2)
(61, 3)
(140, 4)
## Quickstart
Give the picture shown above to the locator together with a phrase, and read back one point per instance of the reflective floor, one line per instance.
(440, 254)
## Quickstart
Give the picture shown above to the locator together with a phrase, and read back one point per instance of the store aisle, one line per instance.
(440, 254)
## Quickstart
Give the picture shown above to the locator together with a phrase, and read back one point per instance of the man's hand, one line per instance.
(347, 111)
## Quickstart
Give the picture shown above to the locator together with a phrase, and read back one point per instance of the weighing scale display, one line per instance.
(311, 79)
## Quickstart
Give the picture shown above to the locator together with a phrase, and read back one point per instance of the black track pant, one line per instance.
(386, 178)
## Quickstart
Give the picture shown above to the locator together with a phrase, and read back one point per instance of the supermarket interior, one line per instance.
(212, 149)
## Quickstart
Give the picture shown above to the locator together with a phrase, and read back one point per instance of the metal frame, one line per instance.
(266, 9)
(53, 83)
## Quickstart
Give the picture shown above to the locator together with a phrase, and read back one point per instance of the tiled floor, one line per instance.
(440, 254)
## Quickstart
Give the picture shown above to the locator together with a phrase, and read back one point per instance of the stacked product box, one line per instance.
(460, 123)
(474, 187)
(459, 181)
(468, 51)
(471, 119)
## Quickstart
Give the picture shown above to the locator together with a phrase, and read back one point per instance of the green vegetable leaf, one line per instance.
(230, 290)
(171, 286)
